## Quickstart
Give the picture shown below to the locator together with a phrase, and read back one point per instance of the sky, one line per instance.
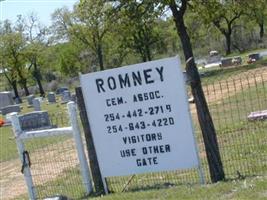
(9, 9)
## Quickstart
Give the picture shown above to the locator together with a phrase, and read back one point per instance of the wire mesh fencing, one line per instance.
(55, 167)
(233, 96)
(237, 99)
(54, 164)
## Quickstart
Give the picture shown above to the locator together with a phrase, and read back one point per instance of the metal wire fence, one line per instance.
(232, 95)
(54, 164)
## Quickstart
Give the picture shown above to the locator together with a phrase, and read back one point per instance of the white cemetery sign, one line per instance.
(139, 117)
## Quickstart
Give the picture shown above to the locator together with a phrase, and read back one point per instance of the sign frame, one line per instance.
(102, 88)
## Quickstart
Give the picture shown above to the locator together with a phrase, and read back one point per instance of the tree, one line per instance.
(178, 9)
(257, 9)
(9, 72)
(222, 14)
(69, 59)
(93, 25)
(12, 46)
(62, 21)
(88, 24)
(37, 41)
(138, 27)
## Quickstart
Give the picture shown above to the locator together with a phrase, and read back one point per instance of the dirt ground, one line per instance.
(12, 182)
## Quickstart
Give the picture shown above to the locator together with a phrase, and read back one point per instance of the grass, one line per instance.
(68, 183)
(251, 188)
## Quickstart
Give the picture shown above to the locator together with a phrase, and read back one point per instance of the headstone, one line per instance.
(66, 97)
(35, 120)
(10, 109)
(8, 118)
(214, 57)
(237, 60)
(17, 100)
(6, 99)
(226, 62)
(36, 104)
(51, 97)
(30, 99)
(254, 56)
(61, 90)
(58, 197)
(258, 115)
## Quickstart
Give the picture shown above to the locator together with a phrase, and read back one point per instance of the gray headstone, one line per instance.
(30, 99)
(10, 109)
(17, 101)
(66, 97)
(36, 104)
(226, 62)
(6, 99)
(51, 97)
(35, 120)
(255, 56)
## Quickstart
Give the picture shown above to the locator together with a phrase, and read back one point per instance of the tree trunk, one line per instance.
(40, 86)
(184, 37)
(15, 88)
(25, 87)
(38, 77)
(228, 43)
(148, 52)
(261, 30)
(100, 57)
(204, 117)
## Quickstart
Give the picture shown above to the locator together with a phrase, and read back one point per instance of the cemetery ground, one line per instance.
(242, 145)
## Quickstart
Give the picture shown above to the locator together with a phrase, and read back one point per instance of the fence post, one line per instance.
(206, 123)
(24, 159)
(96, 174)
(79, 145)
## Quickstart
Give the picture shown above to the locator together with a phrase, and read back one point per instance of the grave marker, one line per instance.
(6, 99)
(10, 109)
(36, 104)
(51, 97)
(35, 120)
(30, 99)
(66, 96)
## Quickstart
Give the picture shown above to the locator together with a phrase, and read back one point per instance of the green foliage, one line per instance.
(69, 60)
